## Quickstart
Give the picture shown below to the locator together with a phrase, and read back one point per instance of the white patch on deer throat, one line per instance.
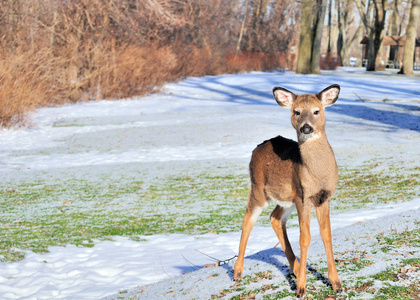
(306, 137)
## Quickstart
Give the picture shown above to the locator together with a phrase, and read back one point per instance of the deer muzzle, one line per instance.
(306, 129)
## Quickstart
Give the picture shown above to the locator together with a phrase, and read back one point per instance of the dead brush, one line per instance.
(26, 82)
(255, 61)
(132, 71)
(197, 61)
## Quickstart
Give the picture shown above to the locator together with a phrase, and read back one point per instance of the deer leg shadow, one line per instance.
(271, 256)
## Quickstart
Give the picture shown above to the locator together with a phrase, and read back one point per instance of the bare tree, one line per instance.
(312, 22)
(305, 42)
(357, 38)
(329, 27)
(410, 42)
(348, 38)
(318, 26)
(375, 31)
(394, 28)
(259, 10)
(241, 34)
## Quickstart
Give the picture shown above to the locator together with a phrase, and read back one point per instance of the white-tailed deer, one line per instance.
(295, 175)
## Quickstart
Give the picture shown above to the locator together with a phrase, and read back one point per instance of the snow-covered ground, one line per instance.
(202, 122)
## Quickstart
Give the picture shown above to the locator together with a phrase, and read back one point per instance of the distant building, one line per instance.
(395, 56)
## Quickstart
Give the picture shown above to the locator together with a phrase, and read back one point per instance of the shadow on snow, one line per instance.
(398, 115)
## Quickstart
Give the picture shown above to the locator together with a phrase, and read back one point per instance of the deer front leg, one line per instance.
(304, 214)
(323, 215)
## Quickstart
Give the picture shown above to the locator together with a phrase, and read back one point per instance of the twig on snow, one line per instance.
(213, 258)
(160, 260)
(190, 262)
(359, 97)
(218, 262)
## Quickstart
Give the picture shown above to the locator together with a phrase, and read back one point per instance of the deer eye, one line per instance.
(316, 112)
(296, 113)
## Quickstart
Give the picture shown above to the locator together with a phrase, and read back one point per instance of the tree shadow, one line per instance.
(391, 119)
(397, 115)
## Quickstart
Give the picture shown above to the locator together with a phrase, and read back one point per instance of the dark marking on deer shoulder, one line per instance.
(320, 197)
(286, 149)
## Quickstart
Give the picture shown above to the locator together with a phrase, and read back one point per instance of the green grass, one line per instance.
(395, 282)
(37, 214)
(398, 293)
(365, 186)
(241, 290)
(391, 274)
(394, 241)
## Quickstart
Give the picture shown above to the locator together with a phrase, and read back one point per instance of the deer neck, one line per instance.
(318, 171)
(318, 157)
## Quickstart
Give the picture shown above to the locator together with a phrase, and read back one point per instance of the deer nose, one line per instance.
(306, 129)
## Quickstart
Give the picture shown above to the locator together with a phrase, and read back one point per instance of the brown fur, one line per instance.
(295, 174)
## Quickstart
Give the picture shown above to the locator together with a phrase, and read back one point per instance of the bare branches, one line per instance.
(361, 7)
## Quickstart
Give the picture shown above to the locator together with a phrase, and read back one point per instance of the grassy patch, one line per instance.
(353, 262)
(241, 290)
(37, 214)
(395, 240)
(399, 292)
(397, 282)
(395, 274)
(40, 214)
(360, 187)
(280, 295)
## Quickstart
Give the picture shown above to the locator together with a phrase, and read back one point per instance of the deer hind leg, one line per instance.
(304, 214)
(251, 216)
(278, 222)
(323, 215)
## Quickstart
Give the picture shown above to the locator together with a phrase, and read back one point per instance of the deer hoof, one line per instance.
(337, 287)
(237, 276)
(300, 292)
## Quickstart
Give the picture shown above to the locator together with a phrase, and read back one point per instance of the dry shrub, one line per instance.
(131, 72)
(27, 80)
(32, 79)
(329, 62)
(54, 51)
(255, 61)
(196, 61)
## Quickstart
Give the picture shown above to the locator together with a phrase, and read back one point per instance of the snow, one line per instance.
(213, 119)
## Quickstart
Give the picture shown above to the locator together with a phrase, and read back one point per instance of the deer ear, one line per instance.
(329, 95)
(283, 97)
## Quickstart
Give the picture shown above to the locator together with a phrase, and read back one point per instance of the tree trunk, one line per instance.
(318, 26)
(340, 31)
(371, 57)
(359, 36)
(259, 11)
(375, 32)
(394, 29)
(329, 28)
(305, 45)
(410, 42)
(238, 45)
(380, 16)
(348, 43)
